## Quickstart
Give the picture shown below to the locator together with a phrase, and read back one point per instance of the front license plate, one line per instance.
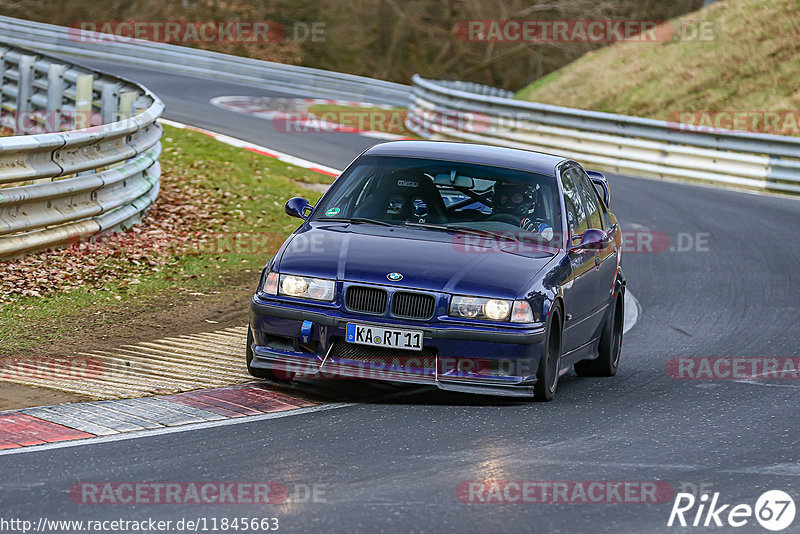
(378, 336)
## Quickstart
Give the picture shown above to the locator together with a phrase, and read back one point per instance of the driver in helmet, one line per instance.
(520, 201)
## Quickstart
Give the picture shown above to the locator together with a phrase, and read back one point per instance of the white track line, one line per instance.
(264, 151)
(176, 429)
(633, 310)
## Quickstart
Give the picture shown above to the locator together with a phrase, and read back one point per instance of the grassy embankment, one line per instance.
(751, 63)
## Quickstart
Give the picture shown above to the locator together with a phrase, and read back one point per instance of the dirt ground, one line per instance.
(15, 396)
(164, 316)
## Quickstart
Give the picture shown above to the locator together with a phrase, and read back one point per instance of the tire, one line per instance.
(549, 364)
(610, 347)
(258, 372)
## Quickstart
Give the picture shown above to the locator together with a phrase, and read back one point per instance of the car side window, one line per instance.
(590, 197)
(576, 216)
(602, 204)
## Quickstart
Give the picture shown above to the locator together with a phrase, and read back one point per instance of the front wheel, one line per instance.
(550, 362)
(610, 347)
(258, 372)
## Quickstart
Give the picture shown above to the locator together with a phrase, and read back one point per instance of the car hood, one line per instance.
(427, 259)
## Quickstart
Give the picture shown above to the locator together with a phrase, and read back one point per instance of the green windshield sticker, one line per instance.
(333, 211)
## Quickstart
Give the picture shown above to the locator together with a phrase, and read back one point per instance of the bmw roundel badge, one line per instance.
(394, 277)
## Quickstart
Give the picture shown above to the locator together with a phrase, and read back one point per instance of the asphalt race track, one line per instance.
(394, 464)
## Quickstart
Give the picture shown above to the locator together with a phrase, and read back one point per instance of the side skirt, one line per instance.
(587, 351)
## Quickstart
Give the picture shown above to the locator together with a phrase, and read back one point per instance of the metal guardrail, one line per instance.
(194, 61)
(90, 164)
(618, 143)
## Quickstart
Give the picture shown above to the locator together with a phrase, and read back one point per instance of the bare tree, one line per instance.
(390, 39)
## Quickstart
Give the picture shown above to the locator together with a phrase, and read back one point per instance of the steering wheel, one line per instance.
(506, 218)
(511, 219)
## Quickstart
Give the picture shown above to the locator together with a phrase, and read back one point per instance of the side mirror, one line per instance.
(297, 207)
(599, 178)
(592, 239)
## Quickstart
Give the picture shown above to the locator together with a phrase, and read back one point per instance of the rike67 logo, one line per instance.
(774, 510)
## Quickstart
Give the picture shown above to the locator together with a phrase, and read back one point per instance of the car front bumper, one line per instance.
(489, 360)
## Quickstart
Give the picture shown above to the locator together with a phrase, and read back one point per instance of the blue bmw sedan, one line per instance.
(467, 267)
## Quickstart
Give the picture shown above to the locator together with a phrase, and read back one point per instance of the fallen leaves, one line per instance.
(182, 214)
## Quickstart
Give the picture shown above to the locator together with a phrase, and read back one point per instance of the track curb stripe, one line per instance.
(252, 147)
(21, 430)
(31, 427)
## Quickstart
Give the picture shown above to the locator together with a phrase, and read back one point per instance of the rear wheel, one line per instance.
(610, 347)
(550, 362)
(259, 372)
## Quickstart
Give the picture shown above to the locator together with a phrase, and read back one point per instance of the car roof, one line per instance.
(471, 153)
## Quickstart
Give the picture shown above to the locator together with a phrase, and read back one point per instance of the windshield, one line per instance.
(399, 190)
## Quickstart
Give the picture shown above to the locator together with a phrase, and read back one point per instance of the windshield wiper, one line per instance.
(359, 220)
(365, 220)
(462, 229)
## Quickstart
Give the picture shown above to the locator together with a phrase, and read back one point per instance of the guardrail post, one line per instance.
(24, 92)
(63, 185)
(55, 96)
(109, 106)
(127, 101)
(2, 81)
(83, 101)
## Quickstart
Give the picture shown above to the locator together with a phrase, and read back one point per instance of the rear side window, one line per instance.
(576, 216)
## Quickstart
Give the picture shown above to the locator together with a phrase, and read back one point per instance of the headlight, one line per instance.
(308, 288)
(497, 310)
(479, 308)
(518, 311)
